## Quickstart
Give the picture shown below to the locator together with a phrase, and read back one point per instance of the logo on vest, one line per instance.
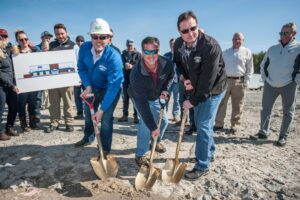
(197, 59)
(102, 68)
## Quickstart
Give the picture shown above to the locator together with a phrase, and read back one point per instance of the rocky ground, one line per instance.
(38, 165)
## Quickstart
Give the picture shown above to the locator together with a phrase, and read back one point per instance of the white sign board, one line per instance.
(46, 70)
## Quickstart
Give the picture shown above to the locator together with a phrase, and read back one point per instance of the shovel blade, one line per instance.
(146, 177)
(104, 168)
(172, 173)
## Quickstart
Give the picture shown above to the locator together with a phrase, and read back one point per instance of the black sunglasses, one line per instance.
(4, 36)
(148, 52)
(101, 37)
(185, 31)
(23, 39)
(284, 33)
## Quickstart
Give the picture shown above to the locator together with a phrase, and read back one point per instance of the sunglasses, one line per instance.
(101, 37)
(4, 36)
(284, 33)
(23, 39)
(80, 41)
(148, 52)
(185, 31)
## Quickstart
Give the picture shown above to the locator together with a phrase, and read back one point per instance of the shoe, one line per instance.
(82, 143)
(281, 141)
(50, 129)
(231, 131)
(69, 128)
(3, 137)
(160, 148)
(141, 160)
(195, 174)
(32, 123)
(79, 116)
(135, 120)
(258, 136)
(11, 132)
(218, 128)
(191, 130)
(123, 119)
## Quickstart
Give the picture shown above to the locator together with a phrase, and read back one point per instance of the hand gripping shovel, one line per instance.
(173, 170)
(103, 167)
(147, 175)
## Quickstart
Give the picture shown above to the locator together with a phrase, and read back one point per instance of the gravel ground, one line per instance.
(38, 165)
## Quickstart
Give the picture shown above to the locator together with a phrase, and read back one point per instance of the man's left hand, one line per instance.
(97, 116)
(187, 105)
(164, 95)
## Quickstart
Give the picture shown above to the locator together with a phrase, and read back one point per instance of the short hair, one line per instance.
(185, 16)
(238, 33)
(291, 26)
(171, 40)
(18, 32)
(60, 25)
(150, 40)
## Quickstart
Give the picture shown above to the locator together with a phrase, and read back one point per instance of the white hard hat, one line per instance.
(100, 26)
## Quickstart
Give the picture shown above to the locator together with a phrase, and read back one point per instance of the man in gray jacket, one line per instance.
(277, 67)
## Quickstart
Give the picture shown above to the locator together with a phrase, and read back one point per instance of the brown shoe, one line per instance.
(160, 148)
(141, 160)
(11, 132)
(3, 136)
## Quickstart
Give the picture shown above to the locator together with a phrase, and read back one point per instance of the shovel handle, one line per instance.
(181, 132)
(155, 139)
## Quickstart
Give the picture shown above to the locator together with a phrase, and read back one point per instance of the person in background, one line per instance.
(78, 88)
(110, 42)
(174, 89)
(62, 42)
(199, 58)
(43, 94)
(8, 89)
(239, 68)
(278, 70)
(100, 70)
(27, 99)
(130, 56)
(150, 80)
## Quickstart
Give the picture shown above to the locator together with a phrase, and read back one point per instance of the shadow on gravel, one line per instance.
(239, 140)
(60, 167)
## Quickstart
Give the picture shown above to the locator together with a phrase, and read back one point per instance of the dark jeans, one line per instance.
(78, 100)
(106, 129)
(27, 98)
(126, 101)
(11, 98)
(38, 103)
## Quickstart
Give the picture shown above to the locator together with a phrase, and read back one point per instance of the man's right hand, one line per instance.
(188, 85)
(86, 92)
(155, 133)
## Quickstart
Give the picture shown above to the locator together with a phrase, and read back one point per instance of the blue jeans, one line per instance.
(106, 128)
(78, 100)
(144, 134)
(205, 114)
(174, 89)
(38, 103)
(24, 99)
(288, 95)
(8, 96)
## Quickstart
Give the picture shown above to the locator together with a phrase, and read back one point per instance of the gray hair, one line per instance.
(238, 34)
(292, 26)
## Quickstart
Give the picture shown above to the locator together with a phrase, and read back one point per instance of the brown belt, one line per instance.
(235, 77)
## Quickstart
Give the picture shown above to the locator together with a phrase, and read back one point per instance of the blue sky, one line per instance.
(259, 20)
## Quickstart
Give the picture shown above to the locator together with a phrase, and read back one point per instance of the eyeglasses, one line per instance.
(101, 37)
(23, 39)
(4, 36)
(148, 52)
(185, 31)
(80, 40)
(284, 33)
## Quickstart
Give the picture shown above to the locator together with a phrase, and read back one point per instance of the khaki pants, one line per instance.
(236, 91)
(54, 97)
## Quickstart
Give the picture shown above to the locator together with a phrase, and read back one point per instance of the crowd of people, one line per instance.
(196, 73)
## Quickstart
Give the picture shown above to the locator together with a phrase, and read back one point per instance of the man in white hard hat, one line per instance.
(100, 70)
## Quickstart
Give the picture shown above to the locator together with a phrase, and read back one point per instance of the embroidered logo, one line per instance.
(102, 68)
(197, 59)
(162, 76)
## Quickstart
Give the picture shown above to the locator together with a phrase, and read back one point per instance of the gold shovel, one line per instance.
(174, 170)
(148, 175)
(103, 167)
